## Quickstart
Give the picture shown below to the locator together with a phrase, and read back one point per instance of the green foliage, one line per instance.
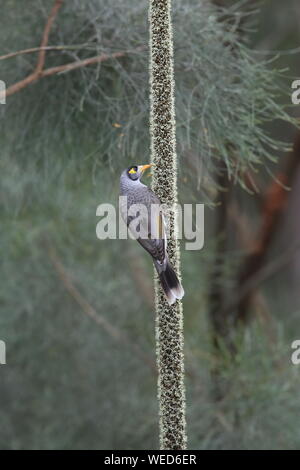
(224, 94)
(258, 411)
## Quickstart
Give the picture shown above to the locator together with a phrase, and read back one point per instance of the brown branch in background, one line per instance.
(88, 310)
(217, 294)
(35, 75)
(264, 273)
(42, 54)
(40, 72)
(31, 50)
(62, 68)
(35, 49)
(273, 206)
(220, 323)
(80, 300)
(244, 230)
(82, 63)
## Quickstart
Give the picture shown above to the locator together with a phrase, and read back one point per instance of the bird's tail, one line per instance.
(169, 281)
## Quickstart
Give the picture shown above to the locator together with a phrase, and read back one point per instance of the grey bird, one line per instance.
(152, 228)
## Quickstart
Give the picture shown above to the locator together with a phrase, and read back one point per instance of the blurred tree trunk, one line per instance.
(273, 206)
(220, 323)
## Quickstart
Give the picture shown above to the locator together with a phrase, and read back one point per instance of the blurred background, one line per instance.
(77, 313)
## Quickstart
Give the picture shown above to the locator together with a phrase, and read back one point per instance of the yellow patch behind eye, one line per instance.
(132, 170)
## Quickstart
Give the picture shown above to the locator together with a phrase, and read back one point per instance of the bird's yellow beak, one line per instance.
(145, 167)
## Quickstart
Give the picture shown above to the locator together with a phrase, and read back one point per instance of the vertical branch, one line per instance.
(220, 322)
(169, 323)
(42, 53)
(217, 294)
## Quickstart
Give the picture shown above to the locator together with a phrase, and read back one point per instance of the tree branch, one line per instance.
(42, 54)
(63, 68)
(259, 276)
(82, 63)
(274, 203)
(41, 57)
(220, 326)
(88, 310)
(39, 71)
(37, 49)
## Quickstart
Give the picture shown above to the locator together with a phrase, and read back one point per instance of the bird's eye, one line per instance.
(133, 169)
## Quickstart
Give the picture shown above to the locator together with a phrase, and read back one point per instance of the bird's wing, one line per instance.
(155, 244)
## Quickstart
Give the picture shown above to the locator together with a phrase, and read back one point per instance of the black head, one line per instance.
(133, 173)
(136, 172)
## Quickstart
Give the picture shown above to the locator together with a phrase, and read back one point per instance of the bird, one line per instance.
(153, 239)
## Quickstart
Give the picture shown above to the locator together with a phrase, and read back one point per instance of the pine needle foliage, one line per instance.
(222, 103)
